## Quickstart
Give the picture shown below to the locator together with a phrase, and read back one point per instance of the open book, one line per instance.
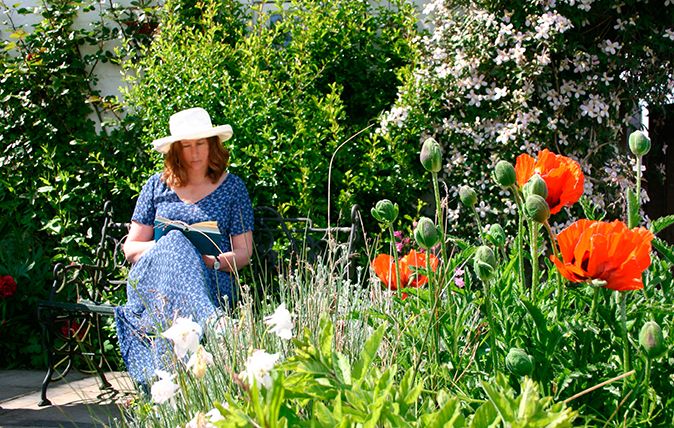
(205, 236)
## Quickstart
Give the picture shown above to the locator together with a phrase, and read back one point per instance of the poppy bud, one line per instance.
(504, 174)
(536, 186)
(468, 196)
(639, 143)
(496, 235)
(651, 339)
(484, 263)
(431, 155)
(537, 209)
(426, 233)
(519, 363)
(385, 211)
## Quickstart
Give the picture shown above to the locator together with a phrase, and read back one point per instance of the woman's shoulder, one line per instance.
(235, 181)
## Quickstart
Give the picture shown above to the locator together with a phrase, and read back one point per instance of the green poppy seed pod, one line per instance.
(496, 235)
(426, 233)
(651, 339)
(468, 196)
(537, 209)
(536, 186)
(484, 263)
(519, 363)
(431, 155)
(385, 211)
(640, 144)
(504, 174)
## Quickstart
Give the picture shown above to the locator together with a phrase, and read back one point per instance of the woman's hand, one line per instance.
(231, 261)
(138, 241)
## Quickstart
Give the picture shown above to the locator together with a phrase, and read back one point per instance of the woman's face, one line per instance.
(195, 154)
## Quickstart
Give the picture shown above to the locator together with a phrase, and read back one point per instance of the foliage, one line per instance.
(58, 169)
(294, 84)
(499, 78)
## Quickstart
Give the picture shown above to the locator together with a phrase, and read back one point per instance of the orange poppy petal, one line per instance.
(524, 168)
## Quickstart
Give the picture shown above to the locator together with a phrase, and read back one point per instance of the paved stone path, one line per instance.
(77, 401)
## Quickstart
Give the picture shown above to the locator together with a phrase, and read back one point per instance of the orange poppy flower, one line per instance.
(606, 251)
(384, 266)
(562, 175)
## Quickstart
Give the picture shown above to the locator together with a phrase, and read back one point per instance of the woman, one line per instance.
(169, 277)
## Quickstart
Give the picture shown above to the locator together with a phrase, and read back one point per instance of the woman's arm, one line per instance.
(231, 261)
(138, 241)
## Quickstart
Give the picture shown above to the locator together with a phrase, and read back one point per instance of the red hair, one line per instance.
(175, 173)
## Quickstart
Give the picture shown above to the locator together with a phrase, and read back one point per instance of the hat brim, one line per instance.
(223, 132)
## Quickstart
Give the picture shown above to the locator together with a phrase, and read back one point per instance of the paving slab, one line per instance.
(77, 400)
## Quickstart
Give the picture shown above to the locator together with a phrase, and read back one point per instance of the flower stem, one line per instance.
(626, 346)
(533, 230)
(492, 333)
(560, 285)
(433, 319)
(520, 237)
(595, 298)
(479, 225)
(645, 404)
(395, 257)
(438, 213)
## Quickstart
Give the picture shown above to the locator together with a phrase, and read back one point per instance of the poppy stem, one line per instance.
(479, 225)
(433, 320)
(520, 237)
(647, 381)
(626, 345)
(395, 257)
(558, 279)
(438, 214)
(533, 230)
(492, 333)
(595, 298)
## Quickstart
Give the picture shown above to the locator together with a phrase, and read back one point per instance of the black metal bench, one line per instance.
(82, 295)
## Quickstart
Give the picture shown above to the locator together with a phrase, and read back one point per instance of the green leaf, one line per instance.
(368, 353)
(665, 249)
(485, 416)
(342, 367)
(661, 223)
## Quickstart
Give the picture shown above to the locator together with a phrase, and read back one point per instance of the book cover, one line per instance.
(205, 235)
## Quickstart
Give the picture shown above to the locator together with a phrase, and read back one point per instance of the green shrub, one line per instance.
(293, 90)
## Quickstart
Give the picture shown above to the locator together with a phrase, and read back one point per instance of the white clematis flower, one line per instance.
(258, 366)
(185, 335)
(164, 389)
(281, 322)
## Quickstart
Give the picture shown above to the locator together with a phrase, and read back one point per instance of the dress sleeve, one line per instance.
(145, 210)
(241, 216)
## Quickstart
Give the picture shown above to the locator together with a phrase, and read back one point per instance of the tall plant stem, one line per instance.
(479, 225)
(433, 319)
(595, 298)
(638, 185)
(520, 237)
(558, 278)
(395, 255)
(438, 214)
(533, 231)
(626, 345)
(490, 320)
(647, 381)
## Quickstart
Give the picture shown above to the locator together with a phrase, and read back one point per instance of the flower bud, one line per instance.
(496, 235)
(537, 209)
(431, 155)
(468, 196)
(426, 233)
(651, 339)
(484, 263)
(504, 174)
(385, 211)
(519, 363)
(536, 186)
(639, 143)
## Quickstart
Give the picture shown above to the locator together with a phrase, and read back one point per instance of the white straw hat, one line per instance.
(191, 124)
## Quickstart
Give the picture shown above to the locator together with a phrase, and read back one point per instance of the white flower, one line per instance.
(164, 389)
(281, 322)
(258, 367)
(185, 335)
(214, 414)
(199, 361)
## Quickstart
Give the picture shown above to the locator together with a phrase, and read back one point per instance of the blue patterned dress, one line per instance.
(171, 279)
